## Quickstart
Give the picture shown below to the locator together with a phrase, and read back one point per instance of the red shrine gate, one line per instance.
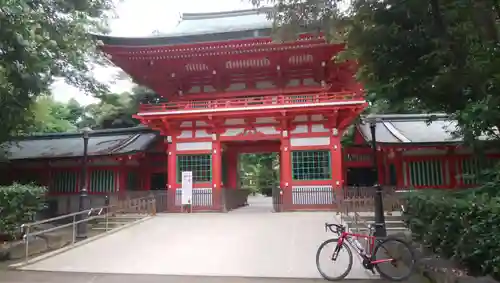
(227, 94)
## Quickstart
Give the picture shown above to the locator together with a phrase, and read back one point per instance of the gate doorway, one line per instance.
(259, 173)
(256, 170)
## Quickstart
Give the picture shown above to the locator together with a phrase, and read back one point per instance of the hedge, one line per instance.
(459, 226)
(19, 204)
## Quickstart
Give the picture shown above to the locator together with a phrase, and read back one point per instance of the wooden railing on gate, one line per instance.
(130, 202)
(361, 199)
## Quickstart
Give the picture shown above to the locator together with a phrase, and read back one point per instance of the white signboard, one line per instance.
(187, 187)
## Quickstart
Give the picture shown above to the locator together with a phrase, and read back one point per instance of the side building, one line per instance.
(411, 154)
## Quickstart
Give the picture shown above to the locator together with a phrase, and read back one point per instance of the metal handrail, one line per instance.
(25, 228)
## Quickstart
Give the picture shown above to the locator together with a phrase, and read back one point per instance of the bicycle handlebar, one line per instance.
(339, 229)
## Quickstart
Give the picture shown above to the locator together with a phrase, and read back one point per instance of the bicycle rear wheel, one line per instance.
(342, 261)
(394, 259)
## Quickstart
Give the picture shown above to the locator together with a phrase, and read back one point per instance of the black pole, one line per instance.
(380, 230)
(81, 228)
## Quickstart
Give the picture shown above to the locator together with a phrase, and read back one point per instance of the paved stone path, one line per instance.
(65, 277)
(251, 242)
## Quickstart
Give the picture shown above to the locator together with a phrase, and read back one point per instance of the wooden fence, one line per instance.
(362, 199)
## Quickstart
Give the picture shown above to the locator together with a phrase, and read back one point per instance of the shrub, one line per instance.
(19, 204)
(463, 227)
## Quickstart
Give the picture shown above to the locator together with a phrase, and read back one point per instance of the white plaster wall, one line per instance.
(300, 118)
(193, 146)
(265, 85)
(300, 129)
(267, 130)
(317, 117)
(319, 128)
(265, 120)
(185, 134)
(202, 134)
(310, 141)
(235, 122)
(233, 132)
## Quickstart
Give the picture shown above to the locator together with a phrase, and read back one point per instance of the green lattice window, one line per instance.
(471, 168)
(427, 173)
(64, 182)
(102, 181)
(200, 165)
(311, 165)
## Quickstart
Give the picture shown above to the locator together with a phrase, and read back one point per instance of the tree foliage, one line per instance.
(115, 110)
(19, 204)
(41, 40)
(435, 55)
(459, 226)
(50, 116)
(259, 172)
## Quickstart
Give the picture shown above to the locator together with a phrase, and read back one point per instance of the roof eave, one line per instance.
(76, 157)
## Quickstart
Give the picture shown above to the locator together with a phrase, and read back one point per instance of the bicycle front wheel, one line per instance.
(394, 259)
(334, 262)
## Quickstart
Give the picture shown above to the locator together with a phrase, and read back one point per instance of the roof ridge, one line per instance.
(395, 132)
(101, 132)
(222, 14)
(130, 140)
(408, 116)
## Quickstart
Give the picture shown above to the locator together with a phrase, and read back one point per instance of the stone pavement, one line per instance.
(65, 277)
(253, 244)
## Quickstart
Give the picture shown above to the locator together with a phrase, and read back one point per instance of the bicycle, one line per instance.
(370, 260)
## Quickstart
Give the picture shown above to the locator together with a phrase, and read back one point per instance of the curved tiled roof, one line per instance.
(205, 27)
(66, 145)
(411, 128)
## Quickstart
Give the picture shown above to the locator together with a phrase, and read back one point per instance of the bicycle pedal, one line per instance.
(373, 271)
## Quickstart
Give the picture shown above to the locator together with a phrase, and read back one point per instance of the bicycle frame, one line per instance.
(368, 261)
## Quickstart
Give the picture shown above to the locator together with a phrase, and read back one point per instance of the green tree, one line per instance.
(39, 41)
(116, 110)
(50, 116)
(436, 55)
(260, 171)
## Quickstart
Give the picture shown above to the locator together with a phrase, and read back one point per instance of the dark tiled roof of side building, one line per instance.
(67, 145)
(412, 128)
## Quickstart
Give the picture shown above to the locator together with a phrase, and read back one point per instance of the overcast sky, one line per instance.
(141, 18)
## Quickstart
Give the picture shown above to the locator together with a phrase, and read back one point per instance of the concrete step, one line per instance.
(390, 230)
(119, 219)
(102, 226)
(113, 222)
(386, 217)
(363, 224)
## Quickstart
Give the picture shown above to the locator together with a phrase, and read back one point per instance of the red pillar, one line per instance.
(286, 170)
(147, 181)
(336, 162)
(122, 175)
(216, 172)
(398, 164)
(452, 168)
(171, 174)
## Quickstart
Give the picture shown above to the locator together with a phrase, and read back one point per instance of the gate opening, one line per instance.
(254, 166)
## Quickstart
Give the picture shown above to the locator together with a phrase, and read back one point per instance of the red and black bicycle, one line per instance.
(391, 257)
